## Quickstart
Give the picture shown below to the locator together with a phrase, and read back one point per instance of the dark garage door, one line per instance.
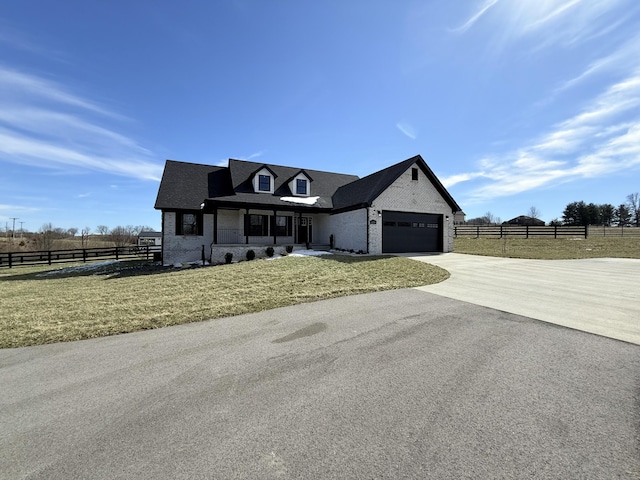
(411, 232)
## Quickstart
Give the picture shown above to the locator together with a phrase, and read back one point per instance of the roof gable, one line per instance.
(364, 191)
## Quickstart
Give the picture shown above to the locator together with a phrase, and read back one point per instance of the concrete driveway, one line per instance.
(396, 384)
(600, 296)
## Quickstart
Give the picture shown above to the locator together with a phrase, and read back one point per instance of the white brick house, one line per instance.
(208, 211)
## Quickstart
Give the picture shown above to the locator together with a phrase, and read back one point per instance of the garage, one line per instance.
(411, 232)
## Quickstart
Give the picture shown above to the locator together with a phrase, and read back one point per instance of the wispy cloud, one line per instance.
(475, 17)
(407, 129)
(256, 155)
(45, 125)
(452, 180)
(565, 22)
(600, 140)
(8, 211)
(620, 60)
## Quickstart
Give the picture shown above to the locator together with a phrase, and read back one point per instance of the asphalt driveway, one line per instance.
(397, 384)
(600, 295)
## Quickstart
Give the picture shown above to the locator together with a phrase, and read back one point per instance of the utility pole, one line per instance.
(13, 229)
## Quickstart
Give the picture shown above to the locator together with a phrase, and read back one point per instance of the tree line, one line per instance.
(581, 213)
(49, 237)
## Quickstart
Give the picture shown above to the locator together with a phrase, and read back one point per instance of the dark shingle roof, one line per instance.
(364, 191)
(241, 172)
(186, 185)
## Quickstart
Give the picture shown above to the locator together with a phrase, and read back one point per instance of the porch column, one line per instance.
(215, 225)
(273, 225)
(246, 224)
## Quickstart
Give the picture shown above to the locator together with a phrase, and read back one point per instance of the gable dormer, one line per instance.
(300, 184)
(264, 180)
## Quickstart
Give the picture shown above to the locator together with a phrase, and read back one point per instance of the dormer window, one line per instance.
(264, 180)
(264, 183)
(301, 186)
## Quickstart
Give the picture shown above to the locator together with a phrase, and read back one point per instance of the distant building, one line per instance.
(150, 238)
(524, 220)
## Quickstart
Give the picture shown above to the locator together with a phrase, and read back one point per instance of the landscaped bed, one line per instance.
(41, 305)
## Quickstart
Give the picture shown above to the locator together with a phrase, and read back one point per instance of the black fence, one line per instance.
(526, 231)
(144, 252)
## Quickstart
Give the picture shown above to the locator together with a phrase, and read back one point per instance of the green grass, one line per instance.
(549, 248)
(124, 297)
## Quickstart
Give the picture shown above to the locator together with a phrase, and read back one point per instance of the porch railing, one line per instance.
(235, 236)
(231, 236)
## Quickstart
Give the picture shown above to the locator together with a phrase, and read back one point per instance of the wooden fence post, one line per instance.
(478, 231)
(117, 254)
(527, 230)
(586, 231)
(49, 257)
(10, 260)
(555, 231)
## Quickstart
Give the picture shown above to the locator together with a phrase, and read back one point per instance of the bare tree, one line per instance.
(45, 238)
(122, 236)
(102, 229)
(633, 201)
(85, 236)
(72, 231)
(491, 219)
(534, 213)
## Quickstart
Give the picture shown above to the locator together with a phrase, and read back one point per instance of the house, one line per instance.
(208, 210)
(524, 220)
(147, 237)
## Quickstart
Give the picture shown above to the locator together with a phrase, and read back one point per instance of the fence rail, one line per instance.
(528, 231)
(48, 257)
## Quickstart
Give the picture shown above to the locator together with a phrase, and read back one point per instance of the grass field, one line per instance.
(549, 248)
(39, 305)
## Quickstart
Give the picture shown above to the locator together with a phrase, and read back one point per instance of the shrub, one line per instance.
(289, 248)
(228, 257)
(251, 254)
(269, 251)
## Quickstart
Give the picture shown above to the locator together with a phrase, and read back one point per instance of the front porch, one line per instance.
(252, 226)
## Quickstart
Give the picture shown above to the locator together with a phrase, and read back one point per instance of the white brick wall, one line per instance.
(184, 248)
(406, 195)
(349, 231)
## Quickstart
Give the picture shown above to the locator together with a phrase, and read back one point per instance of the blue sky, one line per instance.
(513, 103)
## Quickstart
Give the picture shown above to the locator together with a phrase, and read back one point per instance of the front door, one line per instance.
(304, 229)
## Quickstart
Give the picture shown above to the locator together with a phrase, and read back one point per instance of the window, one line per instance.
(188, 223)
(264, 183)
(414, 174)
(282, 226)
(256, 225)
(301, 186)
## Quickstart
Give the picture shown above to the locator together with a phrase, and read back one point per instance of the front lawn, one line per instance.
(75, 304)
